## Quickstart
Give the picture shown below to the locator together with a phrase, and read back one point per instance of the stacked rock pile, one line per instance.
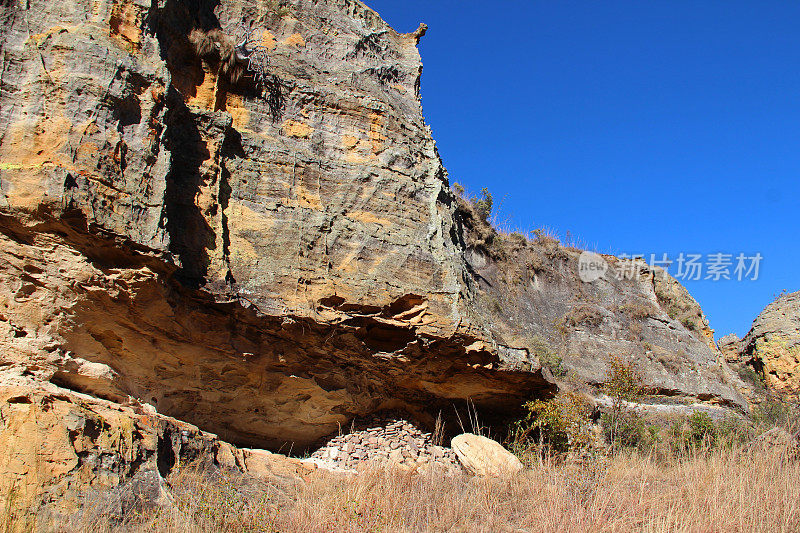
(387, 439)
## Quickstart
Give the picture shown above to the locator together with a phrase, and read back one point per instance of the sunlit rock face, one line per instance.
(772, 346)
(264, 261)
(268, 261)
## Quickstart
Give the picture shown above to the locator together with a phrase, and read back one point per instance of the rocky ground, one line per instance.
(385, 439)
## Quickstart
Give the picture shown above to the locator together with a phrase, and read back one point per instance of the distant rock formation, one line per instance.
(772, 346)
(730, 346)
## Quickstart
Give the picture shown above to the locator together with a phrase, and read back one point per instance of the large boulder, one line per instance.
(483, 456)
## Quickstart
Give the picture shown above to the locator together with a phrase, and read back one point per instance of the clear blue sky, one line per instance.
(637, 126)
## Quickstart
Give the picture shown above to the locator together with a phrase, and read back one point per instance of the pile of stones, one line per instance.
(385, 439)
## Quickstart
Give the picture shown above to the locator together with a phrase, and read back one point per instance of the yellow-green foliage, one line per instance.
(699, 431)
(624, 381)
(559, 424)
(622, 424)
(776, 347)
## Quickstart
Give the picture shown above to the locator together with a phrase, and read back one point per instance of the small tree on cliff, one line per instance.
(483, 204)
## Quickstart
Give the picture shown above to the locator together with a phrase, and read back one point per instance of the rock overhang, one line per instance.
(268, 265)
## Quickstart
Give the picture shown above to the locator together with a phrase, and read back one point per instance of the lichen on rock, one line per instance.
(772, 346)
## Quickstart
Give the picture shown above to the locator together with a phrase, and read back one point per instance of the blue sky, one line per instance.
(638, 127)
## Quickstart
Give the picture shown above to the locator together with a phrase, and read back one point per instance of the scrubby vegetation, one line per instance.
(622, 424)
(583, 315)
(565, 425)
(552, 426)
(775, 411)
(697, 474)
(484, 204)
(638, 310)
(751, 376)
(548, 357)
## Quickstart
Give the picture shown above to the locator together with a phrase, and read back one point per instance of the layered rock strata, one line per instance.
(62, 451)
(268, 261)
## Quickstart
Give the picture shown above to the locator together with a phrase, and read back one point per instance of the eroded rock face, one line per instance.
(265, 263)
(773, 344)
(61, 451)
(280, 382)
(269, 262)
(730, 346)
(535, 298)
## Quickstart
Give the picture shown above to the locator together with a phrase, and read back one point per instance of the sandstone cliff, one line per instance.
(772, 346)
(63, 452)
(267, 262)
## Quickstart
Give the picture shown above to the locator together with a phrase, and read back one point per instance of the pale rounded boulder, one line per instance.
(482, 456)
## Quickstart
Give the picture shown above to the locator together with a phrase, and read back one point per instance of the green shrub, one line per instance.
(698, 430)
(653, 436)
(701, 428)
(732, 430)
(625, 381)
(625, 429)
(772, 412)
(559, 425)
(549, 420)
(622, 425)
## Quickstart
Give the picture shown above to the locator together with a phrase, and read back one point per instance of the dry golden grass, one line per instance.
(719, 491)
